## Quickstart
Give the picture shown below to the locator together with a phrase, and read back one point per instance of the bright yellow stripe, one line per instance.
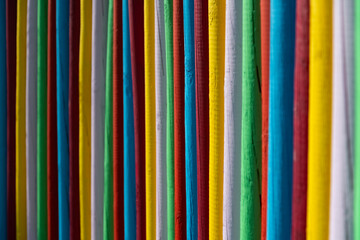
(21, 230)
(85, 119)
(150, 124)
(319, 119)
(216, 112)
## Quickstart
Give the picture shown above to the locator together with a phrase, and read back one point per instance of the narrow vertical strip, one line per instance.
(11, 98)
(265, 45)
(85, 118)
(31, 111)
(168, 18)
(118, 147)
(129, 148)
(250, 213)
(216, 115)
(357, 120)
(74, 35)
(232, 120)
(62, 94)
(202, 114)
(108, 232)
(42, 229)
(3, 127)
(280, 164)
(301, 107)
(179, 121)
(136, 20)
(320, 91)
(20, 127)
(190, 122)
(342, 132)
(52, 176)
(150, 118)
(98, 75)
(160, 90)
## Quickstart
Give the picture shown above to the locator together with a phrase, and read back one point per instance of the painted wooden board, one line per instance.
(108, 220)
(160, 98)
(136, 21)
(342, 128)
(216, 115)
(62, 77)
(320, 97)
(150, 118)
(280, 158)
(98, 68)
(42, 209)
(3, 122)
(190, 122)
(265, 46)
(20, 127)
(168, 17)
(31, 119)
(74, 41)
(85, 118)
(11, 20)
(301, 108)
(232, 120)
(118, 143)
(357, 120)
(52, 154)
(129, 148)
(202, 113)
(250, 210)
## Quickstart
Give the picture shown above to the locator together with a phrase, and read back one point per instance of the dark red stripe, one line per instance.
(118, 150)
(74, 39)
(52, 188)
(202, 114)
(11, 103)
(301, 103)
(179, 127)
(136, 22)
(265, 42)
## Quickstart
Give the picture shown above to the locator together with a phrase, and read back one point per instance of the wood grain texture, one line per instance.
(118, 143)
(179, 120)
(52, 154)
(108, 220)
(265, 49)
(281, 86)
(42, 225)
(301, 107)
(150, 118)
(62, 99)
(129, 148)
(74, 38)
(168, 17)
(11, 115)
(160, 99)
(202, 113)
(85, 118)
(216, 115)
(190, 122)
(320, 96)
(20, 125)
(232, 120)
(250, 210)
(136, 20)
(342, 129)
(98, 75)
(357, 120)
(31, 125)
